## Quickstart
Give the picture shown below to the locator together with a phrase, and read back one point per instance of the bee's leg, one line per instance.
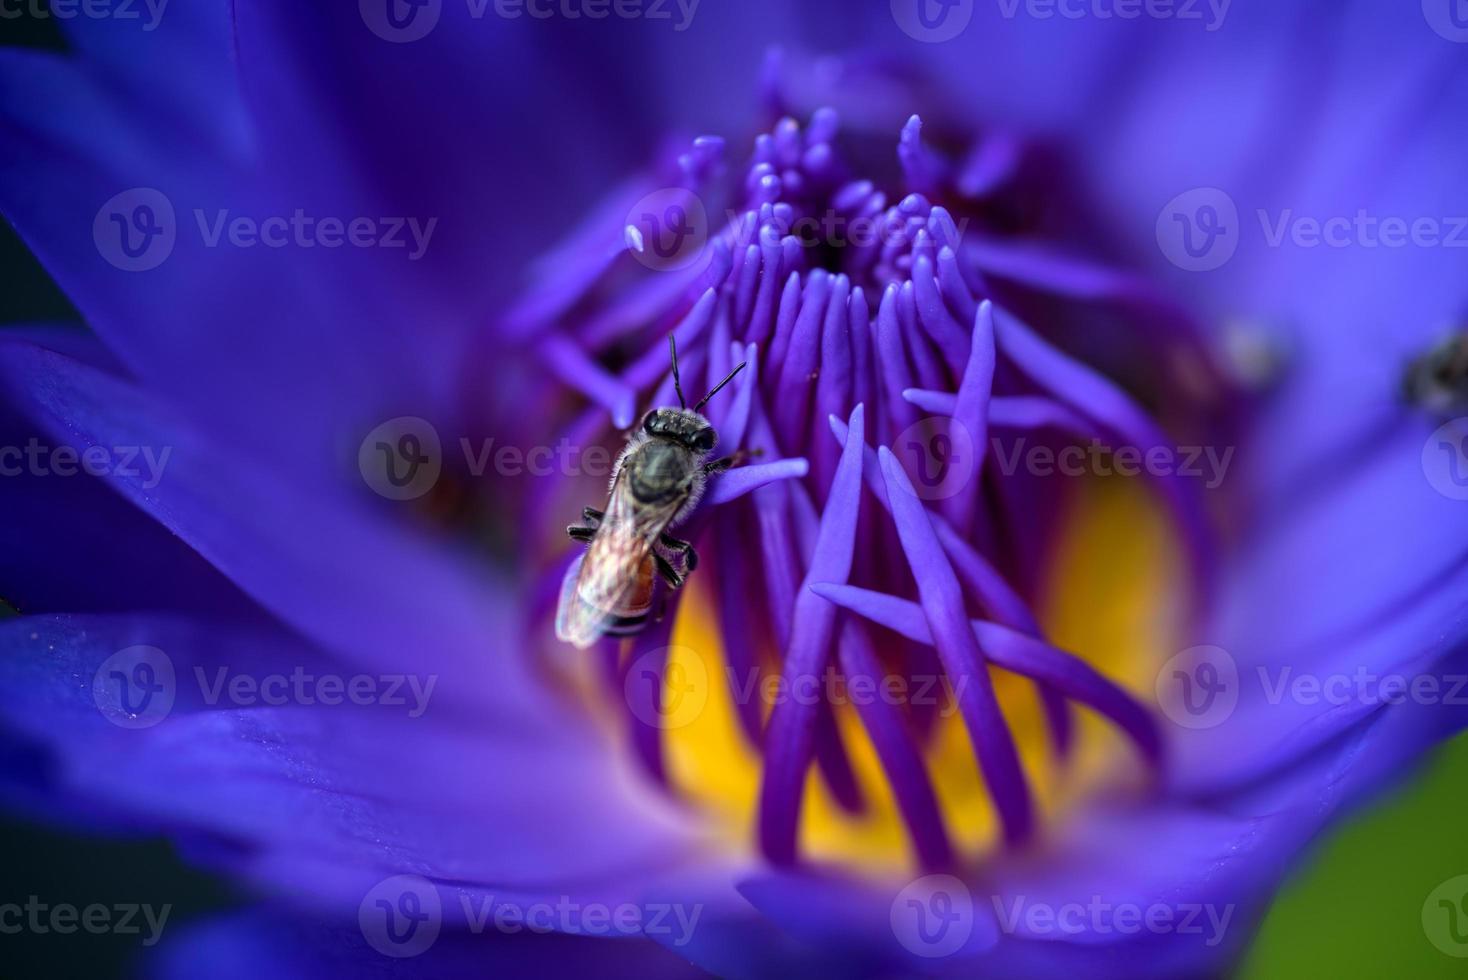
(591, 516)
(681, 548)
(667, 571)
(731, 461)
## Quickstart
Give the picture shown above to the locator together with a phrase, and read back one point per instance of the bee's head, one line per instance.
(683, 426)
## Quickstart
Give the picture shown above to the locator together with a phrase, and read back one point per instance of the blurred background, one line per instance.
(1353, 909)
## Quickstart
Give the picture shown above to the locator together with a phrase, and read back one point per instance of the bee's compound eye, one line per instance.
(704, 440)
(647, 422)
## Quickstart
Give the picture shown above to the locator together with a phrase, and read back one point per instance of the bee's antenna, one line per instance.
(677, 384)
(721, 384)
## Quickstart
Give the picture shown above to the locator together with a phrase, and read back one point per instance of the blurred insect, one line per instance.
(657, 482)
(1438, 380)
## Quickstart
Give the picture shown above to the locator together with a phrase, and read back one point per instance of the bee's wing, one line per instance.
(597, 587)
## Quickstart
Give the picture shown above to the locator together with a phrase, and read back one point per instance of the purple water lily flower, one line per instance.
(985, 665)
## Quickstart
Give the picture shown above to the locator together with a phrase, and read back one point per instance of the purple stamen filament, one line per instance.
(901, 330)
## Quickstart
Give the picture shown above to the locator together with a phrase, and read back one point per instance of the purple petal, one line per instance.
(307, 553)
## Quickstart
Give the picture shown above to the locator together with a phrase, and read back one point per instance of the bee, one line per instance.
(1438, 380)
(657, 482)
